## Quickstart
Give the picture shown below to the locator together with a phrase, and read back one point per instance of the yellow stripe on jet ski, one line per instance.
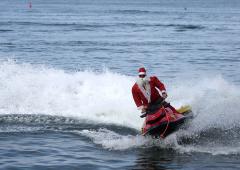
(184, 109)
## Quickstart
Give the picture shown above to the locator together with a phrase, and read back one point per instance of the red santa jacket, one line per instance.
(142, 97)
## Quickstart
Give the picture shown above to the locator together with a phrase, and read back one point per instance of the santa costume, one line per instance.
(147, 89)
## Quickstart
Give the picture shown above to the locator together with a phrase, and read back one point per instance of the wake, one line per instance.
(105, 98)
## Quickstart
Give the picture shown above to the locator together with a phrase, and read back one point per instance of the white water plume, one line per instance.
(106, 97)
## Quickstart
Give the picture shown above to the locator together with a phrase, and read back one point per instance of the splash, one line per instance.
(105, 97)
(114, 141)
(215, 102)
(102, 97)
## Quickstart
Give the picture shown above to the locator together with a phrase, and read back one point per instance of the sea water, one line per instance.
(67, 68)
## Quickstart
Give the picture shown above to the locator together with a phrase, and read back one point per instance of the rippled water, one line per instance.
(67, 67)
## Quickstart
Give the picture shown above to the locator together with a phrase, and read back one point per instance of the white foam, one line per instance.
(113, 141)
(215, 102)
(106, 97)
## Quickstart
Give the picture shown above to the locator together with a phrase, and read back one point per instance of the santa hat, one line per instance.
(142, 71)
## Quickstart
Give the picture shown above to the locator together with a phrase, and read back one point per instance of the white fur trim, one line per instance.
(140, 107)
(163, 91)
(141, 73)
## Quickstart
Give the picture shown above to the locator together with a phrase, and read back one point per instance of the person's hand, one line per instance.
(144, 112)
(144, 109)
(164, 95)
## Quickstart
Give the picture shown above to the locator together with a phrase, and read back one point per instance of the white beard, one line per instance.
(144, 85)
(143, 81)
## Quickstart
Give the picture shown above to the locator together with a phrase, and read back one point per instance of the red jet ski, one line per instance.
(165, 121)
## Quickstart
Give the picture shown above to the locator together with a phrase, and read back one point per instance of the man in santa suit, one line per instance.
(146, 93)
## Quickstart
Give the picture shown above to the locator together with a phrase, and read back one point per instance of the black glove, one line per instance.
(143, 115)
(164, 95)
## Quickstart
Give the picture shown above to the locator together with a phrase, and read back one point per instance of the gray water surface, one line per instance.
(187, 39)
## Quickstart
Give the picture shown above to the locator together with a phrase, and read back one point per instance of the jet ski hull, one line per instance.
(164, 122)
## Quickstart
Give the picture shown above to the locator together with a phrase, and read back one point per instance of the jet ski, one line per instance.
(164, 121)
